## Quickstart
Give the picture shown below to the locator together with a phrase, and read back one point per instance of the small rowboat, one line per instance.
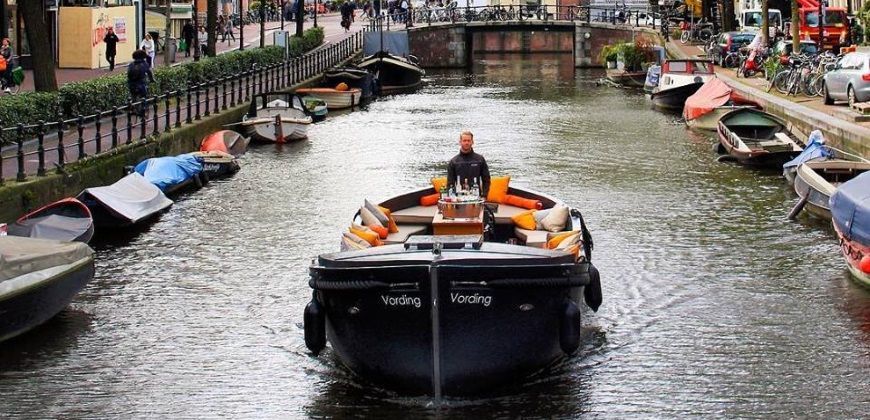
(219, 152)
(334, 98)
(317, 107)
(129, 201)
(64, 220)
(816, 181)
(756, 138)
(276, 117)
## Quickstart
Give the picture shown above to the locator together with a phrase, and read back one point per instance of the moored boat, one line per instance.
(455, 306)
(816, 181)
(131, 200)
(38, 279)
(173, 174)
(680, 79)
(276, 117)
(712, 101)
(850, 210)
(815, 150)
(334, 98)
(394, 74)
(219, 153)
(354, 77)
(64, 220)
(627, 78)
(756, 138)
(317, 107)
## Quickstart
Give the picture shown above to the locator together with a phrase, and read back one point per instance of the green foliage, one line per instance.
(633, 55)
(102, 93)
(607, 54)
(27, 108)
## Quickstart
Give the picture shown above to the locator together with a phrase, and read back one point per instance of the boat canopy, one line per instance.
(167, 171)
(815, 150)
(850, 208)
(132, 197)
(24, 261)
(714, 93)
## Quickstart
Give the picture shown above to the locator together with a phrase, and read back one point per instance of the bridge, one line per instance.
(449, 37)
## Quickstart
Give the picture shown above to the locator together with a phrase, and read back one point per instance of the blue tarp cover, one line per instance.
(815, 150)
(164, 172)
(652, 75)
(850, 207)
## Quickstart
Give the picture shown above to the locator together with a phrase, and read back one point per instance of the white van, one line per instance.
(750, 20)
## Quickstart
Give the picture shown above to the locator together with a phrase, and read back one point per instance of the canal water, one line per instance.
(715, 304)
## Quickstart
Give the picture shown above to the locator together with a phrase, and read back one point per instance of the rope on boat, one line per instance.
(322, 284)
(574, 281)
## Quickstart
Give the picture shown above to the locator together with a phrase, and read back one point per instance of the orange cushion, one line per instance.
(525, 220)
(342, 87)
(557, 239)
(498, 188)
(369, 235)
(574, 249)
(393, 228)
(430, 200)
(525, 203)
(437, 183)
(381, 231)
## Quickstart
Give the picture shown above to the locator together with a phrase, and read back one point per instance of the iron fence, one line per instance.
(58, 143)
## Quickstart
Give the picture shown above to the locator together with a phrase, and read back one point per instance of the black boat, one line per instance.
(353, 77)
(38, 279)
(127, 202)
(679, 80)
(64, 220)
(453, 314)
(394, 74)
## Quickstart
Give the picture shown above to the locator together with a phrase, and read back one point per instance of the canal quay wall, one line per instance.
(20, 197)
(839, 133)
(453, 45)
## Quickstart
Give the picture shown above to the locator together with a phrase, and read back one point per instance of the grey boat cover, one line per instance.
(27, 261)
(132, 197)
(55, 226)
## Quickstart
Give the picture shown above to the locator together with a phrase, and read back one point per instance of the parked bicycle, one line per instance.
(701, 31)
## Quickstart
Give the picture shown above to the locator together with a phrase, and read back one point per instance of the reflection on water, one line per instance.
(715, 304)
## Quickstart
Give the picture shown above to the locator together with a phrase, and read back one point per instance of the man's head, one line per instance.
(466, 141)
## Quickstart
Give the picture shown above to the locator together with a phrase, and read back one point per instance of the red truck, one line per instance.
(836, 25)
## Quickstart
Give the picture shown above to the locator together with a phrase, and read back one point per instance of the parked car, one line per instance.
(850, 80)
(728, 42)
(783, 49)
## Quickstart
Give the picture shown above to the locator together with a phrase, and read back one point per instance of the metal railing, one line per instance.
(452, 13)
(58, 143)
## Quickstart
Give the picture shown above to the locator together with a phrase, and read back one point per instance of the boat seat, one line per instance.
(505, 212)
(784, 137)
(405, 231)
(415, 215)
(533, 238)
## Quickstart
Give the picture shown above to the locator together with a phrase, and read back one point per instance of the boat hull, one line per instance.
(852, 252)
(492, 325)
(674, 98)
(812, 181)
(29, 308)
(781, 148)
(265, 132)
(395, 75)
(335, 99)
(626, 78)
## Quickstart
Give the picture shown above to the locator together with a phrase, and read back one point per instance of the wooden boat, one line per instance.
(317, 107)
(394, 74)
(756, 138)
(354, 77)
(173, 174)
(64, 220)
(130, 201)
(276, 117)
(850, 210)
(443, 309)
(334, 98)
(816, 181)
(679, 80)
(219, 153)
(714, 99)
(626, 78)
(38, 279)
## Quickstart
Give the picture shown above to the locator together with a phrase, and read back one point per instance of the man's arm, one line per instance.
(484, 173)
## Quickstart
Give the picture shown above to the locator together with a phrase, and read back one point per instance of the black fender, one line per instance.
(314, 321)
(592, 291)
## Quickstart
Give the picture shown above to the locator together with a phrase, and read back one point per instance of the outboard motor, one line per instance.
(314, 322)
(569, 328)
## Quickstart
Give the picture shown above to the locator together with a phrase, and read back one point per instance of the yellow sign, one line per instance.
(82, 30)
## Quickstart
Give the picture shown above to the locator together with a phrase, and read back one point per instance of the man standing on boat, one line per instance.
(468, 167)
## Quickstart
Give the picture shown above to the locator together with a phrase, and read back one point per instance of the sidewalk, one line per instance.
(329, 22)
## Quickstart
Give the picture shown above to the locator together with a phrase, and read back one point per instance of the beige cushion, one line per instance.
(382, 217)
(567, 242)
(369, 218)
(534, 238)
(556, 220)
(505, 212)
(404, 232)
(416, 214)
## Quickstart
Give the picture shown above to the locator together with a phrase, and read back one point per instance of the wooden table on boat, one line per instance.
(442, 226)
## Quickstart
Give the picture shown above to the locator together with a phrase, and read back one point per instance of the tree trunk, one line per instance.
(167, 33)
(241, 26)
(44, 79)
(211, 26)
(262, 23)
(728, 16)
(795, 26)
(196, 51)
(300, 15)
(765, 23)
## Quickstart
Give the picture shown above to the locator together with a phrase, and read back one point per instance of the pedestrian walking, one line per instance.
(138, 76)
(147, 46)
(222, 27)
(111, 40)
(7, 61)
(188, 33)
(203, 40)
(228, 28)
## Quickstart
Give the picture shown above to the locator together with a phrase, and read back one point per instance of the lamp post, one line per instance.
(283, 5)
(241, 26)
(315, 13)
(196, 52)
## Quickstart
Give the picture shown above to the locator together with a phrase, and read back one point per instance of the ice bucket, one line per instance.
(460, 210)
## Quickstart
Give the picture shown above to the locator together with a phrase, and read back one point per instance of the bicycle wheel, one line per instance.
(705, 35)
(684, 37)
(780, 81)
(818, 84)
(731, 60)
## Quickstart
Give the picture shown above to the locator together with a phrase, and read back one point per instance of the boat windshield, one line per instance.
(689, 67)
